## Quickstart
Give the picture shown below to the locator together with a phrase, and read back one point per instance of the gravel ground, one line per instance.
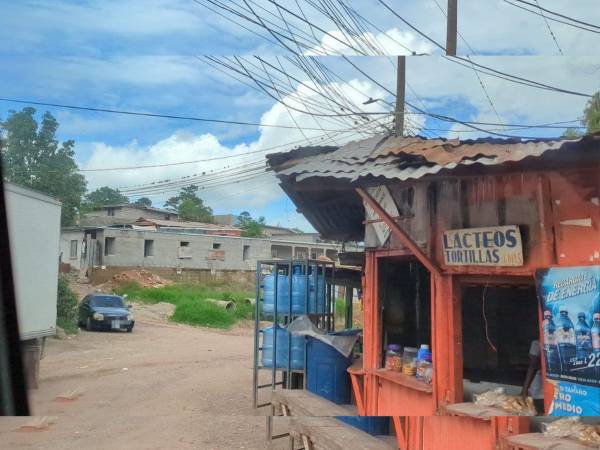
(162, 386)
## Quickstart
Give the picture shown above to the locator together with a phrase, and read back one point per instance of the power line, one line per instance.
(549, 28)
(494, 72)
(165, 116)
(574, 25)
(483, 88)
(554, 13)
(152, 166)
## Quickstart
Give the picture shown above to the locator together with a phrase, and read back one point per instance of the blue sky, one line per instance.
(143, 56)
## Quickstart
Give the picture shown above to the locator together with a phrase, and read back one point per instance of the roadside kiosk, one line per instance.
(471, 248)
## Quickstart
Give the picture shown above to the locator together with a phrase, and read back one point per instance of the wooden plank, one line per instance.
(300, 402)
(404, 380)
(331, 434)
(538, 441)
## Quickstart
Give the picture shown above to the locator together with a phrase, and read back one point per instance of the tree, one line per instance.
(189, 206)
(104, 196)
(591, 114)
(143, 201)
(33, 157)
(591, 119)
(251, 227)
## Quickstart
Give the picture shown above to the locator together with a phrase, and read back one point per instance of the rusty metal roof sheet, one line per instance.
(404, 158)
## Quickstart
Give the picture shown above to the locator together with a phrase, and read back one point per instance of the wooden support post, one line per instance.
(399, 232)
(400, 95)
(451, 27)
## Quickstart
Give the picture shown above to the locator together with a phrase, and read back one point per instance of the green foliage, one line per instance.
(190, 303)
(66, 306)
(104, 196)
(189, 206)
(591, 114)
(33, 157)
(250, 226)
(572, 133)
(143, 201)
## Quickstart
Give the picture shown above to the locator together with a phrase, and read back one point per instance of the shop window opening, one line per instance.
(404, 288)
(499, 324)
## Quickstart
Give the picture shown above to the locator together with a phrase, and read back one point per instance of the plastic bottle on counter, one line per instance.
(393, 357)
(424, 365)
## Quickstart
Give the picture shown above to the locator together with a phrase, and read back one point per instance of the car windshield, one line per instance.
(108, 301)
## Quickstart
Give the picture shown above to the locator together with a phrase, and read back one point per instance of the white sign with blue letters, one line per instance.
(489, 246)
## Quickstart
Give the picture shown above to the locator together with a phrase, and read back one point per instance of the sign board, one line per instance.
(570, 301)
(382, 195)
(490, 246)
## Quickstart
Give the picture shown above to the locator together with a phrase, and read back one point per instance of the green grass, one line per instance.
(190, 302)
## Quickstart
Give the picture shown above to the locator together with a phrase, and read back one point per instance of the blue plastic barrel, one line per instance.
(299, 290)
(316, 292)
(326, 370)
(376, 426)
(283, 294)
(283, 341)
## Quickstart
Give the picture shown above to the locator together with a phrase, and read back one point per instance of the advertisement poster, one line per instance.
(570, 301)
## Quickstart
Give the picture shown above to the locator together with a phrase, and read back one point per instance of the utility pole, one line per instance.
(451, 28)
(400, 87)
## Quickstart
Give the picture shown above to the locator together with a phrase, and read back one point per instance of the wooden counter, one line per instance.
(538, 441)
(475, 411)
(404, 380)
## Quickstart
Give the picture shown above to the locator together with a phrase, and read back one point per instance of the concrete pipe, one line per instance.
(225, 304)
(250, 301)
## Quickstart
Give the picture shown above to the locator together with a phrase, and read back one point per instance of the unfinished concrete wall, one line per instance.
(202, 251)
(128, 248)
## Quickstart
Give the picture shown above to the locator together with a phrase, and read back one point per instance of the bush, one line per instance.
(66, 306)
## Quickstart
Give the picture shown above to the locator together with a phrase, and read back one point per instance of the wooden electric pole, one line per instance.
(451, 28)
(400, 87)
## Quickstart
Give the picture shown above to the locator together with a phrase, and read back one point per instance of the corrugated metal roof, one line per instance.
(404, 158)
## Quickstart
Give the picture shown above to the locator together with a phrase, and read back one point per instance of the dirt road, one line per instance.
(162, 386)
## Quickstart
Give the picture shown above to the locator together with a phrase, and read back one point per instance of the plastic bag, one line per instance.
(572, 428)
(490, 398)
(303, 326)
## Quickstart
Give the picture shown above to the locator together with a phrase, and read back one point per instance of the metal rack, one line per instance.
(324, 320)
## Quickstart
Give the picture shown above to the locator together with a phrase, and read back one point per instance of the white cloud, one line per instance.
(234, 195)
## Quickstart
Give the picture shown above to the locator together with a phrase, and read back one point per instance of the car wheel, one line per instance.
(88, 324)
(130, 328)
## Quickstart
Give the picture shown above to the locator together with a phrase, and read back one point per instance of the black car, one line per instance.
(106, 312)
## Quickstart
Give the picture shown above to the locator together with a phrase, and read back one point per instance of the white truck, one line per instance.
(34, 232)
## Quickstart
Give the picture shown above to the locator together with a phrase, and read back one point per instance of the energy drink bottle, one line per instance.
(565, 338)
(595, 333)
(550, 347)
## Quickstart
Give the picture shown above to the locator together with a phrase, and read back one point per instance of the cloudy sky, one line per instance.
(148, 56)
